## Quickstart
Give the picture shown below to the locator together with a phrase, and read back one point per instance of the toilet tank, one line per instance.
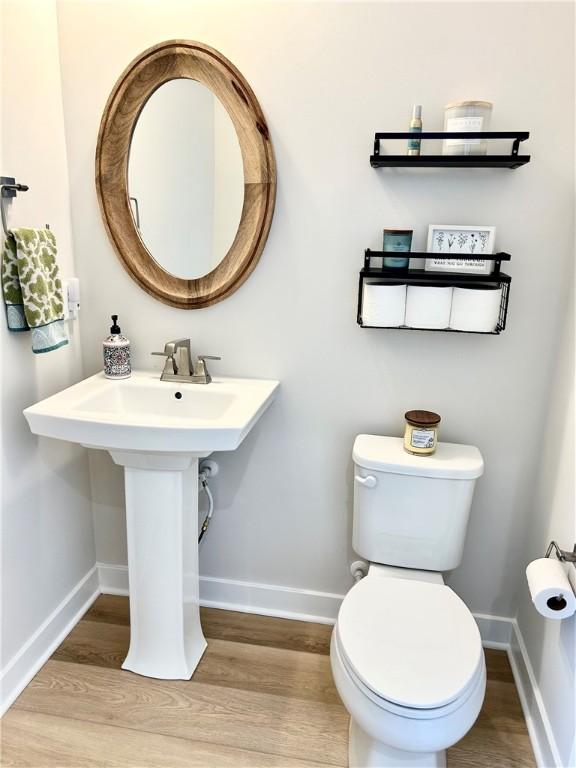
(412, 511)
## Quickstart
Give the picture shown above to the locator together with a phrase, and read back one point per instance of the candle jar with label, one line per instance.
(467, 116)
(397, 241)
(421, 434)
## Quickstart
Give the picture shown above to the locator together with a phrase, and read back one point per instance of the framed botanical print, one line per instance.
(462, 241)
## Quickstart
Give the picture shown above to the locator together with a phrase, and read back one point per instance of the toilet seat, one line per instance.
(413, 644)
(413, 713)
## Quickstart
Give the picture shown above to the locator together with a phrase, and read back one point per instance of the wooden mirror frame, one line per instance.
(171, 60)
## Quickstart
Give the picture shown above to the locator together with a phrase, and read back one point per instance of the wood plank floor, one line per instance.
(261, 697)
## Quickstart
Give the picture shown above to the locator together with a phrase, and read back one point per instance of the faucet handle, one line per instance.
(169, 348)
(177, 354)
(201, 369)
(170, 364)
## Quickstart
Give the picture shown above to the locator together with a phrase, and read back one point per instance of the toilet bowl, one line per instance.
(408, 663)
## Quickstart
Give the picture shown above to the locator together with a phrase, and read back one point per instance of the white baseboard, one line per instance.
(285, 602)
(244, 596)
(539, 726)
(270, 600)
(495, 631)
(113, 579)
(499, 632)
(41, 645)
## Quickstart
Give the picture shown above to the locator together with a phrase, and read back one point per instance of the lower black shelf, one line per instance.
(398, 278)
(432, 330)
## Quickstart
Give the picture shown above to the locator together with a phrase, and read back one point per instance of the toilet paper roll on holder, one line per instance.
(563, 555)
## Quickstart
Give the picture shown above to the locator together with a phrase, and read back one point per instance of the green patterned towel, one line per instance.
(32, 288)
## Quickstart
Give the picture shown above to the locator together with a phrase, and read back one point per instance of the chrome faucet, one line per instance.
(179, 365)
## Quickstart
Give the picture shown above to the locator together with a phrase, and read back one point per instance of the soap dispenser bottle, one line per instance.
(116, 353)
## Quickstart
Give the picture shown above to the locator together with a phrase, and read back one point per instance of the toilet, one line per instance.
(406, 652)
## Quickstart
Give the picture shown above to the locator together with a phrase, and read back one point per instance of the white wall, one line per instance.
(551, 645)
(327, 76)
(47, 536)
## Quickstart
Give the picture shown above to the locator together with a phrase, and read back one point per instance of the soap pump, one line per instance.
(116, 353)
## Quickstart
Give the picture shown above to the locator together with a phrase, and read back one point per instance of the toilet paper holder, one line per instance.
(562, 554)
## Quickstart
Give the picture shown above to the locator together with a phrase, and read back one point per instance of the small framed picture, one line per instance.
(460, 240)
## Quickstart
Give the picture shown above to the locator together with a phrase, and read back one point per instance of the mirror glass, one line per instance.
(185, 178)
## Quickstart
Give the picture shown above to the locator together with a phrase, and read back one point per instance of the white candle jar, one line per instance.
(467, 116)
(421, 433)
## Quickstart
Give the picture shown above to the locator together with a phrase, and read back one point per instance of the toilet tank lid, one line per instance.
(387, 454)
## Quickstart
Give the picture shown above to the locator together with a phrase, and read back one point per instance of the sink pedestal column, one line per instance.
(166, 639)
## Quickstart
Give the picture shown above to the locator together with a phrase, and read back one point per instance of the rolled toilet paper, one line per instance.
(550, 589)
(383, 304)
(475, 309)
(428, 306)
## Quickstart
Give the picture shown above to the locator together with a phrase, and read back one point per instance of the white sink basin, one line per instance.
(143, 413)
(157, 430)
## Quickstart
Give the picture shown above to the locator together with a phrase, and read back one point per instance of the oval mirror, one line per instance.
(184, 141)
(185, 174)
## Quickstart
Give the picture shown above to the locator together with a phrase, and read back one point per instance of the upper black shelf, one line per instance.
(513, 160)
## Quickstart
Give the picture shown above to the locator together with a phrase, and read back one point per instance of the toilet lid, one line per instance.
(411, 642)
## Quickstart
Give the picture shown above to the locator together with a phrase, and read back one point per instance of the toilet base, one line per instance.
(366, 752)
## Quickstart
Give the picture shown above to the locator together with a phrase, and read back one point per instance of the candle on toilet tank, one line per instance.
(421, 433)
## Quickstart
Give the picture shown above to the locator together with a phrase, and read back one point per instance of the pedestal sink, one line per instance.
(157, 431)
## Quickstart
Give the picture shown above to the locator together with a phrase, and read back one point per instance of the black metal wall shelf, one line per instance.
(372, 271)
(513, 160)
(443, 279)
